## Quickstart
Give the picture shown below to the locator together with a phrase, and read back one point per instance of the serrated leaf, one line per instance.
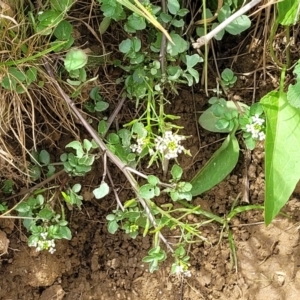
(101, 191)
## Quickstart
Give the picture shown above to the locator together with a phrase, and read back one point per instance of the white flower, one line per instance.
(46, 245)
(139, 146)
(169, 144)
(44, 235)
(261, 136)
(255, 128)
(181, 270)
(257, 120)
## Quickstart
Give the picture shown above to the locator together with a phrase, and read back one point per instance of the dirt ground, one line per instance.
(98, 265)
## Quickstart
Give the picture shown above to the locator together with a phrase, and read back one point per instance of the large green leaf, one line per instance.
(208, 120)
(288, 13)
(218, 167)
(282, 152)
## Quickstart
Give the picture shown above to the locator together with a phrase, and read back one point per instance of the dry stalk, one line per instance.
(122, 167)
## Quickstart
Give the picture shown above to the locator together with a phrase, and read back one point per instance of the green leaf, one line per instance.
(102, 127)
(101, 106)
(113, 139)
(112, 227)
(220, 34)
(238, 25)
(35, 172)
(31, 75)
(193, 60)
(282, 155)
(166, 18)
(288, 12)
(87, 145)
(76, 188)
(76, 146)
(112, 9)
(50, 18)
(46, 213)
(44, 157)
(139, 129)
(104, 25)
(227, 75)
(224, 13)
(179, 46)
(64, 232)
(61, 5)
(218, 167)
(146, 191)
(63, 30)
(293, 95)
(110, 217)
(101, 191)
(173, 6)
(75, 59)
(208, 120)
(153, 180)
(182, 12)
(125, 46)
(95, 94)
(176, 172)
(23, 207)
(178, 23)
(134, 23)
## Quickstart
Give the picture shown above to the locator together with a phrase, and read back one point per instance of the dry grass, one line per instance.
(37, 118)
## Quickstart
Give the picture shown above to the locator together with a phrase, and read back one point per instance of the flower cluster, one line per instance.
(256, 128)
(139, 146)
(169, 145)
(182, 270)
(45, 244)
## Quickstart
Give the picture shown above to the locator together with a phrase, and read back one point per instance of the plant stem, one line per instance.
(110, 155)
(203, 40)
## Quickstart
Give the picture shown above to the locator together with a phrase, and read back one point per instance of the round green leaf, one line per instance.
(75, 59)
(101, 191)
